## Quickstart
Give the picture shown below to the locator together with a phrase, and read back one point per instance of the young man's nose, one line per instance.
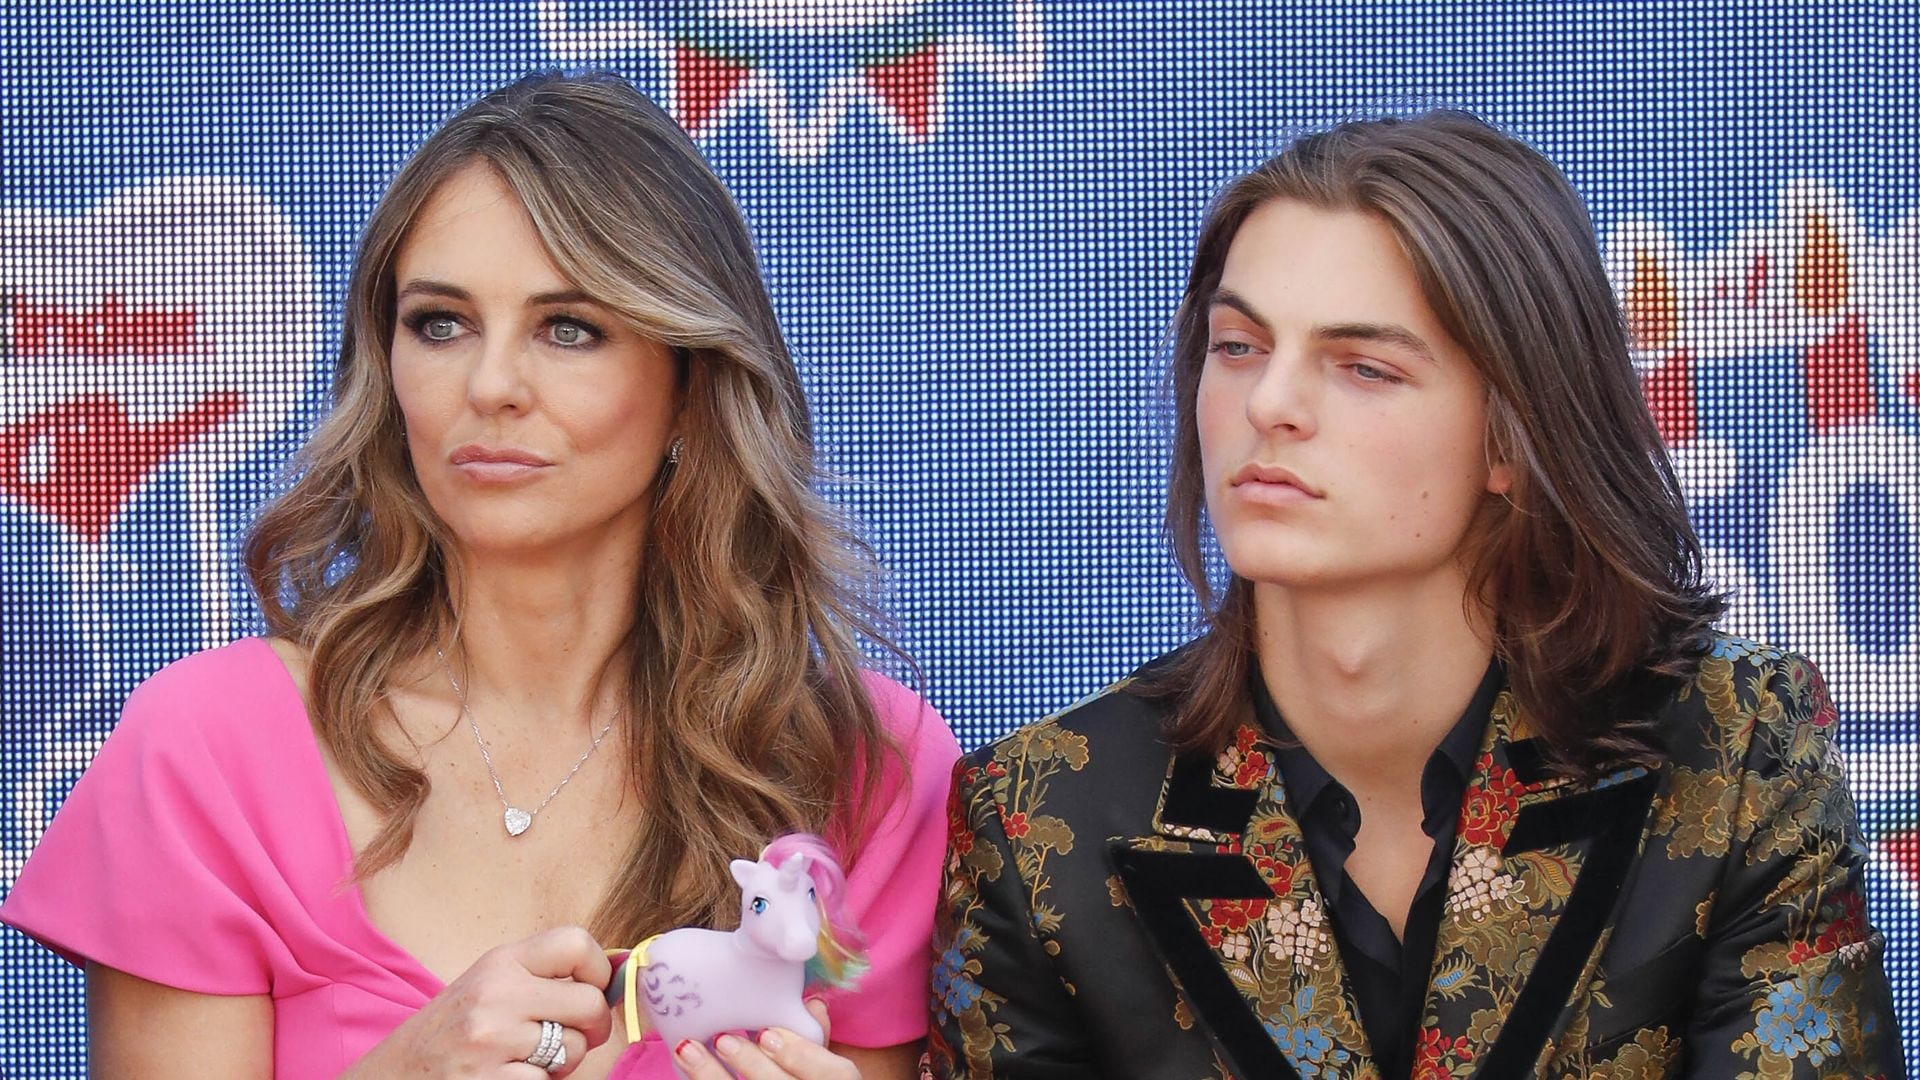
(1283, 397)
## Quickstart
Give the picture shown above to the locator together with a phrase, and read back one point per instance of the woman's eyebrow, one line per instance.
(1384, 333)
(430, 287)
(564, 296)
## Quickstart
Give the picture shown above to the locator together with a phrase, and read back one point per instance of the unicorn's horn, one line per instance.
(793, 869)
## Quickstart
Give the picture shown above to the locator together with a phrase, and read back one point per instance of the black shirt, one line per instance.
(1388, 976)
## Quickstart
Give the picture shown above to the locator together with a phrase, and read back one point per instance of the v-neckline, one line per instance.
(313, 769)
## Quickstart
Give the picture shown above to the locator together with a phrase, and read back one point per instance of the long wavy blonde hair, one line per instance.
(746, 713)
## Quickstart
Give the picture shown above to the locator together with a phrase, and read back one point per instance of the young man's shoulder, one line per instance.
(1114, 738)
(1748, 701)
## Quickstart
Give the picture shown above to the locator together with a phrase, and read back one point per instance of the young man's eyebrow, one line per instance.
(1231, 299)
(1384, 333)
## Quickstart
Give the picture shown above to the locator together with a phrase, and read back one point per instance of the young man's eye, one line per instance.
(1230, 349)
(1369, 373)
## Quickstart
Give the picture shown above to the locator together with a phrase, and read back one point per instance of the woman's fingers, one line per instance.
(527, 1040)
(817, 1008)
(698, 1063)
(567, 952)
(782, 1055)
(574, 1005)
(803, 1058)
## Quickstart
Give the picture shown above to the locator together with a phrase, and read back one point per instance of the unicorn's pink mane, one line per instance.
(841, 959)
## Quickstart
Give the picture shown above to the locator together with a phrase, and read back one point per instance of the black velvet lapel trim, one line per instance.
(1194, 801)
(1565, 820)
(1614, 816)
(1157, 884)
(1528, 760)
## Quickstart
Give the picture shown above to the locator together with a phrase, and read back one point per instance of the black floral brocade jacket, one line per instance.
(1114, 911)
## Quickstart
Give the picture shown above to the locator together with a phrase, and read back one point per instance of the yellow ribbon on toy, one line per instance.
(629, 976)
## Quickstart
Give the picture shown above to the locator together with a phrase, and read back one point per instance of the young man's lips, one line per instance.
(1273, 481)
(1272, 494)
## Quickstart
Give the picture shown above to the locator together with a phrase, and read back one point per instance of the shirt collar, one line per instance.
(1443, 780)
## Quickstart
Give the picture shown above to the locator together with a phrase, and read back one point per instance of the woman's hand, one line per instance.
(486, 1023)
(780, 1055)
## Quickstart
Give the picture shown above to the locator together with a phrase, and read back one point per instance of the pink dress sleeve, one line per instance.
(894, 884)
(151, 865)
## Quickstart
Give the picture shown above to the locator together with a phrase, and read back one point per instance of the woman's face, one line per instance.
(1342, 430)
(536, 419)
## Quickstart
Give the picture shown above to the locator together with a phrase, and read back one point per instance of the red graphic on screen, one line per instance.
(804, 68)
(81, 461)
(704, 81)
(1903, 851)
(910, 89)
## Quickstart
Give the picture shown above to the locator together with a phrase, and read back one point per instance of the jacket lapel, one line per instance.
(1226, 891)
(1538, 863)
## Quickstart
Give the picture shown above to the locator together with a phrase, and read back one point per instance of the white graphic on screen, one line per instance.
(894, 59)
(165, 332)
(1810, 290)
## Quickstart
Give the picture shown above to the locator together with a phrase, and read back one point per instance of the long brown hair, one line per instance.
(746, 715)
(1589, 566)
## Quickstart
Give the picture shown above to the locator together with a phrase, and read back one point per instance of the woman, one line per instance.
(559, 626)
(1458, 781)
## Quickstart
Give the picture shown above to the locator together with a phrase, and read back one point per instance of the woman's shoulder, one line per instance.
(246, 662)
(236, 703)
(913, 724)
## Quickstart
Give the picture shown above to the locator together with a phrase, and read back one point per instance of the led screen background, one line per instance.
(975, 219)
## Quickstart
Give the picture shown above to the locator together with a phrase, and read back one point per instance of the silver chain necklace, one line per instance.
(515, 819)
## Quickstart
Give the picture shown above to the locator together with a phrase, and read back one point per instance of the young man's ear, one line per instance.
(1499, 478)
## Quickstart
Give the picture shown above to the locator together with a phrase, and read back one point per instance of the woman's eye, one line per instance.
(572, 333)
(1233, 349)
(433, 326)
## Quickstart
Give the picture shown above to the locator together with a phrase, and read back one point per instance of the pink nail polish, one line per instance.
(728, 1045)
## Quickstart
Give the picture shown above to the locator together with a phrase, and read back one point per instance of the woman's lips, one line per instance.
(496, 465)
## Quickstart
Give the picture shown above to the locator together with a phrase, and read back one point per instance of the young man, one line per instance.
(1459, 781)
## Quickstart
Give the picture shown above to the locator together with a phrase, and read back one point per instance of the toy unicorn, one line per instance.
(698, 984)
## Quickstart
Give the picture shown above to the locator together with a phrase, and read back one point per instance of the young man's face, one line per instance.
(1342, 431)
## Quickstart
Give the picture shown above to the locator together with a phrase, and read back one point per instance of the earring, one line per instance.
(673, 449)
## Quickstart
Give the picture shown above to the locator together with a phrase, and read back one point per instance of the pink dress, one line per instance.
(203, 849)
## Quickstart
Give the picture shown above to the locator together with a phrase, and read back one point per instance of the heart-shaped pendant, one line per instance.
(517, 820)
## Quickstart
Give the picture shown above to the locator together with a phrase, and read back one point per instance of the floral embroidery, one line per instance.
(1308, 1046)
(1438, 1055)
(1750, 827)
(1478, 883)
(953, 987)
(1489, 808)
(1243, 764)
(1790, 1024)
(1300, 932)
